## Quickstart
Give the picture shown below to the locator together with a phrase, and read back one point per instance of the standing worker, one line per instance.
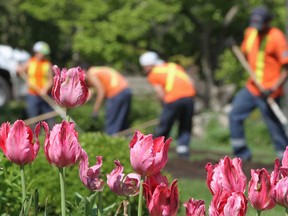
(39, 79)
(175, 90)
(111, 85)
(266, 51)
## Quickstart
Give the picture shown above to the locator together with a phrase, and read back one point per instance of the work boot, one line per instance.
(183, 151)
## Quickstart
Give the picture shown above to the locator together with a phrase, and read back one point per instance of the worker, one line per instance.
(266, 51)
(175, 90)
(37, 72)
(111, 86)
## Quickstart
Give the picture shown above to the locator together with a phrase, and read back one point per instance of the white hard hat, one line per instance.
(150, 58)
(41, 47)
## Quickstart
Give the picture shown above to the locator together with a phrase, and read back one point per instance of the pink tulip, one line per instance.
(148, 156)
(61, 146)
(227, 174)
(16, 142)
(236, 204)
(161, 199)
(284, 167)
(195, 207)
(227, 204)
(69, 89)
(90, 176)
(280, 192)
(123, 185)
(260, 189)
(285, 158)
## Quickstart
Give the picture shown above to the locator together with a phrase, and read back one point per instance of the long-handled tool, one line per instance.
(139, 127)
(273, 105)
(41, 117)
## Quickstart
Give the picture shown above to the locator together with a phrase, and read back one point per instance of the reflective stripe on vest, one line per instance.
(33, 77)
(260, 55)
(113, 78)
(172, 73)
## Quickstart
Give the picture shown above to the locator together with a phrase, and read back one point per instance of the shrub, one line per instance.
(45, 178)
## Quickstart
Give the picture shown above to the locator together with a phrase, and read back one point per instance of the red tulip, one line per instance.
(280, 192)
(227, 174)
(195, 207)
(148, 156)
(61, 146)
(260, 189)
(227, 204)
(123, 185)
(151, 183)
(16, 142)
(161, 199)
(69, 89)
(90, 176)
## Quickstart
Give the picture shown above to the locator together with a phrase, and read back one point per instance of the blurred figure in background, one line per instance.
(175, 90)
(109, 84)
(39, 78)
(266, 51)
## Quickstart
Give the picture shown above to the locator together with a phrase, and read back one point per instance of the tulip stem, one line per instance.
(62, 187)
(286, 211)
(67, 117)
(100, 207)
(23, 183)
(129, 206)
(140, 200)
(258, 213)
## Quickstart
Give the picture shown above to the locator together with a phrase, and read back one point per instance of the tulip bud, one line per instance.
(195, 207)
(61, 146)
(16, 142)
(160, 198)
(280, 192)
(147, 155)
(227, 175)
(69, 89)
(259, 190)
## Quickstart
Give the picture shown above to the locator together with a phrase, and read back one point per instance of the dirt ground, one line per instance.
(181, 168)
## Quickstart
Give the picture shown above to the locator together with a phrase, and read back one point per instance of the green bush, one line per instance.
(230, 70)
(41, 175)
(142, 110)
(12, 111)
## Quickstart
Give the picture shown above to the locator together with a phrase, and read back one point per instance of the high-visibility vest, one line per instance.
(259, 69)
(114, 78)
(112, 81)
(38, 74)
(172, 73)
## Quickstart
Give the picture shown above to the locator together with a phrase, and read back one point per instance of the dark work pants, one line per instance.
(243, 104)
(181, 110)
(117, 110)
(37, 106)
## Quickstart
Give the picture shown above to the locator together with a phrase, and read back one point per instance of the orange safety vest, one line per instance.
(38, 73)
(112, 81)
(260, 62)
(174, 80)
(265, 54)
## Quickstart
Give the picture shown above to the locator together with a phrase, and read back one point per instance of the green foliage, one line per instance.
(44, 177)
(230, 70)
(12, 111)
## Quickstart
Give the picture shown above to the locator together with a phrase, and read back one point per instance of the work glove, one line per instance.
(94, 115)
(266, 93)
